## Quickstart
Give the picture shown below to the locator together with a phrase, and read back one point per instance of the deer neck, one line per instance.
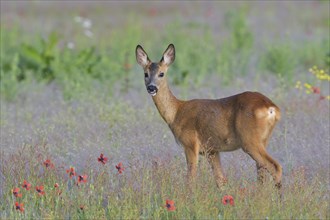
(166, 103)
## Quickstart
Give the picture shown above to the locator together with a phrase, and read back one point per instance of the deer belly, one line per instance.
(218, 143)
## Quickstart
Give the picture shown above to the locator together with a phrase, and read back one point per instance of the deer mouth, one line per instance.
(152, 90)
(152, 93)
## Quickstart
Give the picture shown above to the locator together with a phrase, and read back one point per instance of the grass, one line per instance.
(141, 189)
(69, 95)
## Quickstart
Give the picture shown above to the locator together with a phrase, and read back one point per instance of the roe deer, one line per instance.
(244, 121)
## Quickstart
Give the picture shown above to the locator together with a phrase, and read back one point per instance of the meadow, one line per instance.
(80, 137)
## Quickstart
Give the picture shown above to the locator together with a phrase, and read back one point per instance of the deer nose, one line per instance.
(152, 89)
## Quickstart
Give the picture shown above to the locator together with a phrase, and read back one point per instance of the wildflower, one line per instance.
(316, 90)
(82, 178)
(307, 85)
(86, 23)
(19, 207)
(16, 192)
(70, 45)
(102, 159)
(319, 73)
(88, 33)
(228, 199)
(26, 185)
(82, 207)
(120, 167)
(48, 163)
(71, 172)
(58, 191)
(170, 205)
(40, 190)
(298, 85)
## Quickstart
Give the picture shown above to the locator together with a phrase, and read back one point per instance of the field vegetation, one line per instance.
(82, 139)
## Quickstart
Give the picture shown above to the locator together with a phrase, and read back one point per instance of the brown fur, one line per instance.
(244, 121)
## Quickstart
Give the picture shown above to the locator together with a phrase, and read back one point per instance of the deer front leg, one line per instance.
(214, 160)
(192, 160)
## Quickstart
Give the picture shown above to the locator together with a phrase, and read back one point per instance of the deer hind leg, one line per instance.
(214, 160)
(265, 162)
(261, 171)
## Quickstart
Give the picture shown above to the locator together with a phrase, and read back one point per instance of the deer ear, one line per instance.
(168, 55)
(141, 56)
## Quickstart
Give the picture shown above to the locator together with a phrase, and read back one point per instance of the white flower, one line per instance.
(70, 45)
(88, 33)
(87, 23)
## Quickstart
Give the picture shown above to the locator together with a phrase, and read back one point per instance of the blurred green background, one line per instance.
(83, 46)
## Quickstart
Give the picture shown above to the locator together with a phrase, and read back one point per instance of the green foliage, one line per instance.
(121, 56)
(241, 37)
(9, 79)
(312, 53)
(279, 59)
(235, 51)
(106, 61)
(40, 58)
(195, 58)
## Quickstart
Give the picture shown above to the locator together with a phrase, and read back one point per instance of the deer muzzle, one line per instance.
(152, 90)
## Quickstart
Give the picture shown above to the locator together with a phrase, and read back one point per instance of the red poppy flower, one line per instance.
(82, 178)
(58, 191)
(48, 164)
(19, 207)
(228, 199)
(26, 185)
(170, 205)
(316, 90)
(120, 167)
(16, 192)
(40, 190)
(71, 172)
(102, 159)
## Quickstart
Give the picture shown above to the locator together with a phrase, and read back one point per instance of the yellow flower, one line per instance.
(298, 85)
(308, 86)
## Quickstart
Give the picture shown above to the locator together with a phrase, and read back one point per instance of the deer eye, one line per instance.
(146, 75)
(161, 74)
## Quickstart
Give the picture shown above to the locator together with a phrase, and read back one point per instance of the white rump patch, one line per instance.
(272, 112)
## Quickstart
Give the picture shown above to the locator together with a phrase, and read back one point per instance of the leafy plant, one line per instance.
(279, 59)
(9, 79)
(40, 58)
(241, 37)
(315, 88)
(235, 51)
